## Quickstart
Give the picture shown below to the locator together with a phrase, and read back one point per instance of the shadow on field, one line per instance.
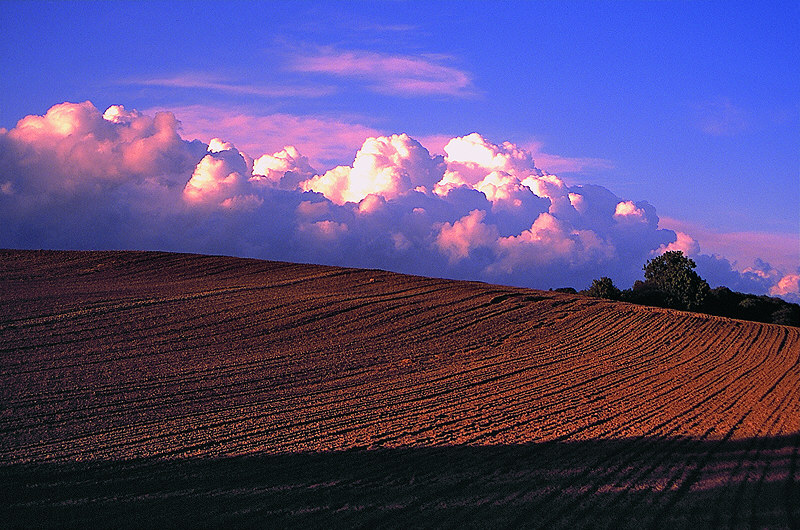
(642, 482)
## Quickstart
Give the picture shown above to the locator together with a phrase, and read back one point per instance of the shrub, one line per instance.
(567, 290)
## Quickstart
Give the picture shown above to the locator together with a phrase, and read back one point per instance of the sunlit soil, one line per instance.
(162, 384)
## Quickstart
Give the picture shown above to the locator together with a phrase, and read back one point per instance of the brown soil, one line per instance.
(143, 388)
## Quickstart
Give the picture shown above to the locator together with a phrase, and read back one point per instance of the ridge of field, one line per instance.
(145, 356)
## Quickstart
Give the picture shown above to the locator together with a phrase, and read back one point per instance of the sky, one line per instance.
(529, 143)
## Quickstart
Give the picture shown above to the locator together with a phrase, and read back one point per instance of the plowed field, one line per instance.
(143, 388)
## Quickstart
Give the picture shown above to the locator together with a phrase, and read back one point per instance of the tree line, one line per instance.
(670, 281)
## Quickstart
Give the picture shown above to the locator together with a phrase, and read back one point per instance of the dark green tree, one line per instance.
(673, 274)
(604, 288)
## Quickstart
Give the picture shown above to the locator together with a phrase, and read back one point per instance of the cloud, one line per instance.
(720, 117)
(456, 240)
(435, 142)
(75, 146)
(323, 140)
(80, 178)
(743, 268)
(325, 230)
(683, 243)
(788, 288)
(217, 84)
(221, 178)
(286, 168)
(403, 75)
(561, 164)
(470, 158)
(392, 28)
(118, 114)
(742, 248)
(551, 241)
(628, 212)
(385, 166)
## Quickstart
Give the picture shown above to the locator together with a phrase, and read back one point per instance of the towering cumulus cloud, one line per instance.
(80, 178)
(388, 167)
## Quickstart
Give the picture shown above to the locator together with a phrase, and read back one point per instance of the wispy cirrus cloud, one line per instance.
(218, 84)
(403, 75)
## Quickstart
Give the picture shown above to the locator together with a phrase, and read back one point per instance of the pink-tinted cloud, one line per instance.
(74, 145)
(473, 154)
(325, 231)
(385, 166)
(788, 288)
(390, 28)
(402, 75)
(754, 262)
(221, 178)
(561, 164)
(324, 140)
(547, 162)
(628, 212)
(435, 142)
(496, 170)
(285, 169)
(551, 241)
(456, 240)
(208, 82)
(684, 243)
(742, 248)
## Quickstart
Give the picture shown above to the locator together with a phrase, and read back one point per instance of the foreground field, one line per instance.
(152, 388)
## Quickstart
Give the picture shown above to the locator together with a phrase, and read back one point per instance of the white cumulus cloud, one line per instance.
(285, 169)
(385, 166)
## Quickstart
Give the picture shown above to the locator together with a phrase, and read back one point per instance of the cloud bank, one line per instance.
(80, 178)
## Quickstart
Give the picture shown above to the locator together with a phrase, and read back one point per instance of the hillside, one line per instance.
(151, 388)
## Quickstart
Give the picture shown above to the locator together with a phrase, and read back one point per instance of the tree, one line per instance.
(604, 288)
(673, 274)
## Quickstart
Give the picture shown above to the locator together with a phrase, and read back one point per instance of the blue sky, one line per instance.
(690, 106)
